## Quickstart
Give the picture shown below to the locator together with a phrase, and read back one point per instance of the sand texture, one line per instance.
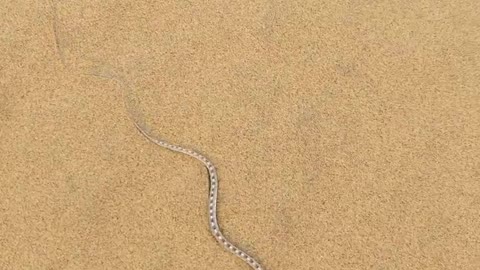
(346, 134)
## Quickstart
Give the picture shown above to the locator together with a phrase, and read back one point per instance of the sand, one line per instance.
(345, 134)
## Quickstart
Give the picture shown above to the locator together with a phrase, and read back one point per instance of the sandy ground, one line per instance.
(346, 135)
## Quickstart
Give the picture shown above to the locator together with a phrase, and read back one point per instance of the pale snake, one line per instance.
(212, 205)
(212, 172)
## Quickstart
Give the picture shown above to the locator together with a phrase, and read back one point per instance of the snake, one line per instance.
(213, 193)
(212, 174)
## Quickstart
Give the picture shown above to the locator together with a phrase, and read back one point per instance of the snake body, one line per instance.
(212, 172)
(212, 205)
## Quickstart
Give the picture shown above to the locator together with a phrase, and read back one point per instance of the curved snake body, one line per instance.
(212, 205)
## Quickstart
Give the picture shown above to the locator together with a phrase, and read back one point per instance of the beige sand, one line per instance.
(345, 134)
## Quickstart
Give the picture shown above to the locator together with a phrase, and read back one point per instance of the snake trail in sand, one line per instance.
(212, 172)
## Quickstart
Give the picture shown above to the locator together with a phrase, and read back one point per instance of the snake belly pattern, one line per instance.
(212, 205)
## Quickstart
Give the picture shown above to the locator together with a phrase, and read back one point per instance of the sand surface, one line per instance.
(346, 133)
